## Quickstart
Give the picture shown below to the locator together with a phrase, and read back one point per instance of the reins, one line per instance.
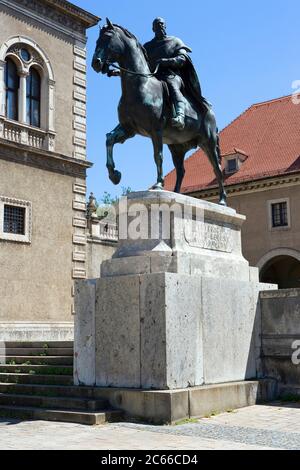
(147, 75)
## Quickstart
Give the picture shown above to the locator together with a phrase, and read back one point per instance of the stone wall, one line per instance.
(37, 276)
(97, 252)
(259, 239)
(102, 239)
(281, 336)
(59, 50)
(36, 279)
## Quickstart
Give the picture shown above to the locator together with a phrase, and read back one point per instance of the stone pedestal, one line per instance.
(177, 305)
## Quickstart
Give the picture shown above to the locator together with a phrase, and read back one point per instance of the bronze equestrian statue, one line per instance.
(161, 99)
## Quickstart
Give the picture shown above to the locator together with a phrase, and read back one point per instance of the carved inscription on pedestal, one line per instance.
(209, 236)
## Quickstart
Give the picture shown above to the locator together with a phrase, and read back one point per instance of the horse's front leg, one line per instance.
(157, 140)
(118, 136)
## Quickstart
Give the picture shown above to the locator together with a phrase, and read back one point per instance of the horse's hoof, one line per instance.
(158, 186)
(223, 202)
(115, 177)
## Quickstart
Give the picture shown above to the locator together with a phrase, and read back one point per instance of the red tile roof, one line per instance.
(267, 133)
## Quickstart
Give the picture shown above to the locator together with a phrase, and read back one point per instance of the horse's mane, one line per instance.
(132, 36)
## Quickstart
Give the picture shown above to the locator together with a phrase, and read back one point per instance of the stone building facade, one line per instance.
(43, 165)
(261, 165)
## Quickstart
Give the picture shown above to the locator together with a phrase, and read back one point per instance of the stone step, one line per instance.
(38, 344)
(69, 416)
(36, 369)
(37, 352)
(38, 360)
(36, 379)
(65, 391)
(60, 403)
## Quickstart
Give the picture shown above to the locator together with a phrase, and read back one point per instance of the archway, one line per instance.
(282, 269)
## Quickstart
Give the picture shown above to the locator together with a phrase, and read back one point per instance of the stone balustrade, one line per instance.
(23, 134)
(107, 231)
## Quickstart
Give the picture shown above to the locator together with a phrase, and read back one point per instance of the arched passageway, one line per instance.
(282, 270)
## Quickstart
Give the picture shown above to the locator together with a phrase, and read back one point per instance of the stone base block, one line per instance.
(195, 265)
(166, 331)
(84, 333)
(169, 406)
(148, 331)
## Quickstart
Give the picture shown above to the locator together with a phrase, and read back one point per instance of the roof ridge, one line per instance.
(274, 100)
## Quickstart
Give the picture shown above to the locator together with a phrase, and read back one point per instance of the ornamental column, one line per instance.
(22, 96)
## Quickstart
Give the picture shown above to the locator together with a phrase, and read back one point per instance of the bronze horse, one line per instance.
(144, 109)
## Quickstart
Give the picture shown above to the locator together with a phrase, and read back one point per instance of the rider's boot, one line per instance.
(178, 121)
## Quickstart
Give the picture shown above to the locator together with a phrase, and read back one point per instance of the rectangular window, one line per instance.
(14, 219)
(232, 165)
(280, 214)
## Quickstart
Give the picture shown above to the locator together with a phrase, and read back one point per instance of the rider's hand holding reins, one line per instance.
(113, 73)
(178, 61)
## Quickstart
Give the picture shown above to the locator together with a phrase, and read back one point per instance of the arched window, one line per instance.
(12, 89)
(33, 98)
(27, 92)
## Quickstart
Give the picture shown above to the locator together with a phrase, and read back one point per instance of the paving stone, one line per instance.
(273, 426)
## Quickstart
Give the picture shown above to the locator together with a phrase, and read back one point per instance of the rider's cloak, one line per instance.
(170, 47)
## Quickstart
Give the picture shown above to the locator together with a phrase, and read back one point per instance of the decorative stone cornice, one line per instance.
(58, 14)
(250, 186)
(49, 161)
(78, 13)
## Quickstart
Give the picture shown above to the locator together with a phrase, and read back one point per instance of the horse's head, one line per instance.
(109, 48)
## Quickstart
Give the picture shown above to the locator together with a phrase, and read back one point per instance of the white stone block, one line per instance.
(117, 328)
(84, 333)
(171, 331)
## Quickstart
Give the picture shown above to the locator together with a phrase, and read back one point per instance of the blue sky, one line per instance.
(244, 52)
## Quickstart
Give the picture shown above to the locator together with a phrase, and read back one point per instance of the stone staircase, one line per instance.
(36, 382)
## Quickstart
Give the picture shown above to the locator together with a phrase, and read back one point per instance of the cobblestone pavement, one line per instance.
(275, 426)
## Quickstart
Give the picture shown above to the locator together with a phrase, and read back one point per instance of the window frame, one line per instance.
(16, 91)
(39, 59)
(30, 98)
(14, 213)
(13, 237)
(271, 203)
(235, 159)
